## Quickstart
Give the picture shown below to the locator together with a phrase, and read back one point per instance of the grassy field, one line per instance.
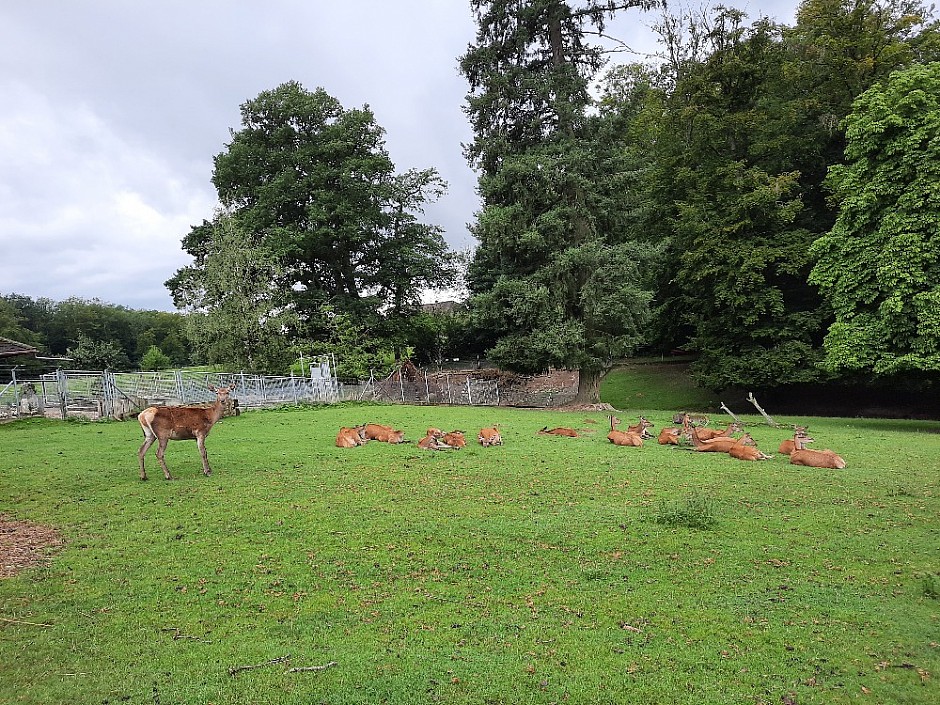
(548, 570)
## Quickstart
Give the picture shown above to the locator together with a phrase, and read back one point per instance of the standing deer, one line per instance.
(180, 423)
(814, 458)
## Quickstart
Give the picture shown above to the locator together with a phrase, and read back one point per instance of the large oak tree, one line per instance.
(310, 186)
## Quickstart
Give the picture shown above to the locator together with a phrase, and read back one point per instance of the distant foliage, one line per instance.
(155, 359)
(89, 354)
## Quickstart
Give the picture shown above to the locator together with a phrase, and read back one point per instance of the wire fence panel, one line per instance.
(410, 385)
(72, 393)
(64, 394)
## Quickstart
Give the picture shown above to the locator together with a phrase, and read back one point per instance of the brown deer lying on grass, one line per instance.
(673, 436)
(351, 437)
(629, 437)
(455, 439)
(788, 446)
(642, 429)
(490, 436)
(746, 449)
(434, 441)
(383, 434)
(180, 423)
(558, 431)
(814, 458)
(669, 436)
(707, 434)
(721, 444)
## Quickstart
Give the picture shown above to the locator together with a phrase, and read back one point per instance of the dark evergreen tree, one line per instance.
(556, 277)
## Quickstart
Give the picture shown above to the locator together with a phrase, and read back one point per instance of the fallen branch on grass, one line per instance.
(770, 421)
(238, 669)
(23, 621)
(179, 635)
(731, 413)
(325, 666)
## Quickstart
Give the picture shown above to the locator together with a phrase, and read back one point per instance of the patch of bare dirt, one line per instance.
(24, 544)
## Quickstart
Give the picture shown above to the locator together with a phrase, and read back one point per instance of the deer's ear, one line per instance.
(211, 387)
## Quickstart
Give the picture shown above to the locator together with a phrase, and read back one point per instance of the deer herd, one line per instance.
(162, 424)
(732, 440)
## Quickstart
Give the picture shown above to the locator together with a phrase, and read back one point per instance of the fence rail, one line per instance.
(411, 385)
(63, 394)
(71, 393)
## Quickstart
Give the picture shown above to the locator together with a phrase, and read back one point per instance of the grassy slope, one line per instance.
(533, 572)
(665, 385)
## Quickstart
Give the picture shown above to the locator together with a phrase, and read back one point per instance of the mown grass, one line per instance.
(547, 570)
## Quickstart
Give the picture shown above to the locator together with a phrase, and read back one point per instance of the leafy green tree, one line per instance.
(239, 313)
(556, 277)
(879, 267)
(90, 354)
(358, 350)
(311, 187)
(12, 324)
(155, 359)
(752, 124)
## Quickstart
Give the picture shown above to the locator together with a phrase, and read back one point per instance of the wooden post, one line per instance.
(62, 381)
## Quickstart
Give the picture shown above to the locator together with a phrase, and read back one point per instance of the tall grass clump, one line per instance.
(694, 512)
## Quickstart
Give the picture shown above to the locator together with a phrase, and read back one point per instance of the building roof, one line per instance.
(9, 348)
(443, 307)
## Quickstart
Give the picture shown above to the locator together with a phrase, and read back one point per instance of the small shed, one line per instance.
(11, 348)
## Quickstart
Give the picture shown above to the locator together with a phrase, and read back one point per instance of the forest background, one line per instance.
(765, 199)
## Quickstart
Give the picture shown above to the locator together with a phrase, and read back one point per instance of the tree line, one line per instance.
(91, 334)
(762, 196)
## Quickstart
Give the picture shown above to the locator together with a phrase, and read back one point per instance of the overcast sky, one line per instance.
(111, 112)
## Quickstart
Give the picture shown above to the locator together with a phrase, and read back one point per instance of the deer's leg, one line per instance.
(145, 446)
(201, 442)
(161, 451)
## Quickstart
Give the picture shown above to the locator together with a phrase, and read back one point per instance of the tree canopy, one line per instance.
(879, 267)
(311, 194)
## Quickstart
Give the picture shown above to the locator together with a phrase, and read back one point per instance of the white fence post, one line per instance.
(469, 395)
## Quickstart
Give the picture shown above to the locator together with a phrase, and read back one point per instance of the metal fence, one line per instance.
(63, 394)
(411, 385)
(70, 393)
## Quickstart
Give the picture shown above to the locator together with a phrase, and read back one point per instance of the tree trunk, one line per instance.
(589, 388)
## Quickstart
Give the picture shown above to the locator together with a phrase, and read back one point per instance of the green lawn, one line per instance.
(547, 570)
